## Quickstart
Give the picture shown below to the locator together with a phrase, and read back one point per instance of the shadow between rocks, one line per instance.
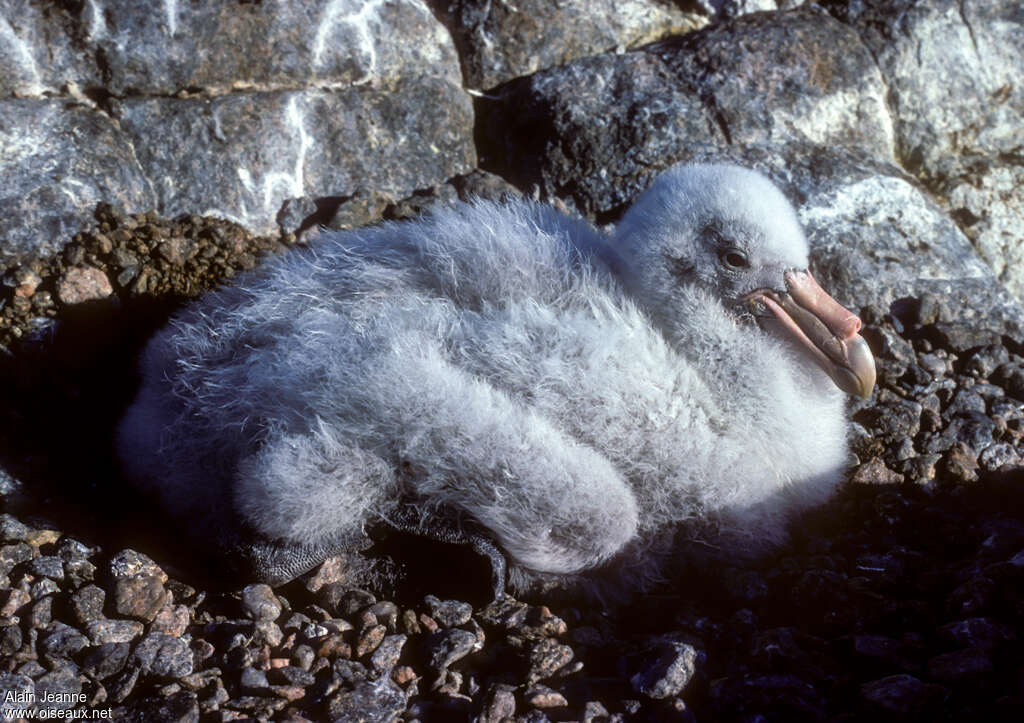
(63, 389)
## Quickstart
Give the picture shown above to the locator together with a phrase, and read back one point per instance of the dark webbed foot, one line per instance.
(275, 562)
(451, 530)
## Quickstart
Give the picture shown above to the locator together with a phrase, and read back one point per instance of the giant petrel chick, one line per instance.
(580, 400)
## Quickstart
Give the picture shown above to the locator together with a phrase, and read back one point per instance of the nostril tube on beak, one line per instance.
(805, 291)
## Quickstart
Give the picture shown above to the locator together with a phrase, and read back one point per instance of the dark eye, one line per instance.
(734, 258)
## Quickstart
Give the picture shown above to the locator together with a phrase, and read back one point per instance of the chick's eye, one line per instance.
(734, 259)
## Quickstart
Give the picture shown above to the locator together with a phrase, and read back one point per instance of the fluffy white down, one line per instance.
(506, 361)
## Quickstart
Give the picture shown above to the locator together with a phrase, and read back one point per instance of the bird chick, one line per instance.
(575, 398)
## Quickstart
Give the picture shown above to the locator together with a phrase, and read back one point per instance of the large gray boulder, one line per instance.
(597, 128)
(499, 41)
(229, 109)
(953, 70)
(57, 161)
(248, 153)
(162, 48)
(41, 52)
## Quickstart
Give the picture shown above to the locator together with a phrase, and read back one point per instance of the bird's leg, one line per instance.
(448, 529)
(276, 562)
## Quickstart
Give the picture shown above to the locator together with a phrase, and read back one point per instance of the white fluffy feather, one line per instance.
(558, 386)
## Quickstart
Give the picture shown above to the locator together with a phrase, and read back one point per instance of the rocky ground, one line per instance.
(901, 600)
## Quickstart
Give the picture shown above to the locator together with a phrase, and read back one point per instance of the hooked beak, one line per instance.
(827, 329)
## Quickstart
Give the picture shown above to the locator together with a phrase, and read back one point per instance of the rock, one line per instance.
(162, 656)
(540, 696)
(380, 701)
(250, 152)
(17, 690)
(106, 660)
(83, 284)
(447, 646)
(12, 529)
(253, 680)
(910, 242)
(16, 599)
(957, 129)
(369, 639)
(989, 211)
(295, 213)
(40, 52)
(11, 638)
(547, 657)
(112, 631)
(874, 472)
(180, 707)
(387, 613)
(386, 656)
(499, 703)
(62, 641)
(291, 675)
(902, 695)
(58, 160)
(501, 42)
(172, 620)
(665, 102)
(998, 455)
(361, 208)
(959, 665)
(59, 689)
(668, 671)
(138, 585)
(776, 697)
(353, 601)
(449, 613)
(86, 604)
(982, 634)
(481, 184)
(973, 108)
(153, 52)
(259, 603)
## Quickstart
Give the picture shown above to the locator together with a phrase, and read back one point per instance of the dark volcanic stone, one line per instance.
(86, 604)
(658, 103)
(353, 601)
(138, 585)
(361, 208)
(259, 603)
(113, 631)
(373, 702)
(162, 656)
(449, 613)
(385, 657)
(499, 703)
(902, 695)
(447, 646)
(62, 641)
(668, 671)
(106, 660)
(979, 633)
(12, 529)
(780, 697)
(10, 639)
(547, 657)
(16, 687)
(960, 665)
(55, 690)
(180, 707)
